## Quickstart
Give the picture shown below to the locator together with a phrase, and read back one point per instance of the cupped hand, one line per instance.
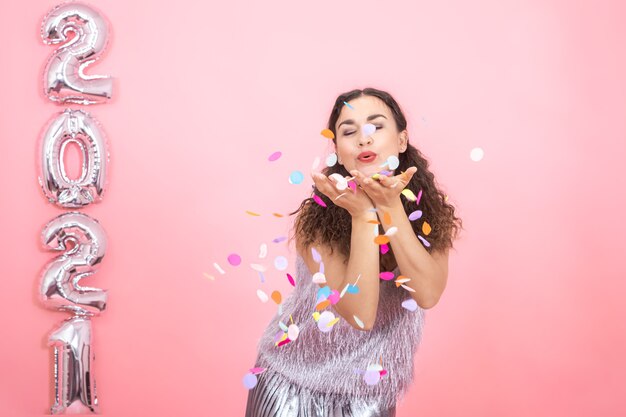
(384, 191)
(356, 203)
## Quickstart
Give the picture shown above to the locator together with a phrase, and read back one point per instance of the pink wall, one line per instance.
(533, 320)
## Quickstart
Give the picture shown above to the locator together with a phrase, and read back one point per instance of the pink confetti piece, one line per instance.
(291, 280)
(384, 248)
(316, 255)
(234, 259)
(419, 195)
(274, 156)
(352, 185)
(334, 297)
(318, 200)
(257, 371)
(386, 276)
(383, 372)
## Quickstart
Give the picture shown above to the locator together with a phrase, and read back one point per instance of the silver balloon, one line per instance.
(79, 127)
(64, 81)
(75, 385)
(60, 287)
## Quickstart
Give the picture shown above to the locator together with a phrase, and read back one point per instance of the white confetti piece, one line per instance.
(262, 251)
(359, 322)
(262, 296)
(391, 231)
(219, 268)
(258, 267)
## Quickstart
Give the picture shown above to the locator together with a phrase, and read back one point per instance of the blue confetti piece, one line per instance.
(348, 105)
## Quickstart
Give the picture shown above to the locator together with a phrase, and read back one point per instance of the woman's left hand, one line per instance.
(384, 191)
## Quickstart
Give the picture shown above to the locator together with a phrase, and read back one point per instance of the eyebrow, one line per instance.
(351, 122)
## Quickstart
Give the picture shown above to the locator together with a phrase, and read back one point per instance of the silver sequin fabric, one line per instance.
(321, 374)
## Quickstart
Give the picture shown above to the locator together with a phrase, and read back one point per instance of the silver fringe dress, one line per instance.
(321, 374)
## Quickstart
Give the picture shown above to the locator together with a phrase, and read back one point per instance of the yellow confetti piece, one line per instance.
(387, 218)
(291, 318)
(446, 198)
(327, 133)
(211, 277)
(252, 213)
(376, 176)
(277, 214)
(316, 316)
(322, 305)
(426, 228)
(373, 221)
(277, 297)
(381, 240)
(332, 323)
(409, 194)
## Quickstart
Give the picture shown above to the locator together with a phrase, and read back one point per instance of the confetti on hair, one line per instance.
(359, 322)
(316, 255)
(401, 280)
(409, 194)
(424, 241)
(410, 304)
(384, 248)
(419, 196)
(252, 213)
(333, 322)
(322, 305)
(328, 134)
(381, 240)
(219, 268)
(348, 105)
(406, 287)
(426, 229)
(291, 280)
(211, 277)
(257, 371)
(274, 156)
(415, 215)
(318, 200)
(386, 276)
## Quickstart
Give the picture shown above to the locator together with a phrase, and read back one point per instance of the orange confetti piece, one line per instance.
(327, 133)
(277, 297)
(211, 277)
(401, 280)
(387, 218)
(322, 305)
(252, 213)
(381, 240)
(373, 221)
(277, 214)
(426, 228)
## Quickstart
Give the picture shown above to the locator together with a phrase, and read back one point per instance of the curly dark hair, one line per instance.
(332, 225)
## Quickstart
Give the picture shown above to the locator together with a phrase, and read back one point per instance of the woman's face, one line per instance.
(366, 153)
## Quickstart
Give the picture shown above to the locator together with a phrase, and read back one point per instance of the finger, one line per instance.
(323, 184)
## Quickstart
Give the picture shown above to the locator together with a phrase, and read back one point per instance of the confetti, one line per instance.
(283, 326)
(373, 221)
(316, 162)
(391, 231)
(386, 276)
(252, 213)
(324, 319)
(274, 156)
(334, 297)
(262, 251)
(319, 278)
(368, 129)
(234, 259)
(323, 293)
(293, 332)
(333, 322)
(353, 289)
(250, 380)
(219, 268)
(291, 280)
(296, 177)
(371, 377)
(352, 185)
(278, 215)
(276, 297)
(419, 196)
(280, 263)
(318, 200)
(211, 277)
(409, 194)
(316, 255)
(406, 287)
(327, 133)
(386, 217)
(410, 304)
(426, 228)
(257, 371)
(316, 316)
(261, 276)
(279, 239)
(393, 162)
(381, 239)
(262, 296)
(258, 267)
(384, 249)
(348, 105)
(341, 183)
(402, 280)
(331, 159)
(415, 215)
(322, 305)
(424, 241)
(359, 322)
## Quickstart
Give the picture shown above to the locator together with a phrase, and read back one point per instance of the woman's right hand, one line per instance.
(356, 203)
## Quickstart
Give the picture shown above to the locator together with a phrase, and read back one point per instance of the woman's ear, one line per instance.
(404, 140)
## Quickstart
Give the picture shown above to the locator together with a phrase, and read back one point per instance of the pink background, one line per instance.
(533, 319)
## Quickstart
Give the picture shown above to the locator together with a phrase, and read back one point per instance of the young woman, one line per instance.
(361, 364)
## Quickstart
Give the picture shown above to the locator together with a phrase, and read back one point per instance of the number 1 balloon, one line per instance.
(78, 127)
(64, 80)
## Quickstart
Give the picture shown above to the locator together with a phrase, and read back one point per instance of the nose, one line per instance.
(365, 140)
